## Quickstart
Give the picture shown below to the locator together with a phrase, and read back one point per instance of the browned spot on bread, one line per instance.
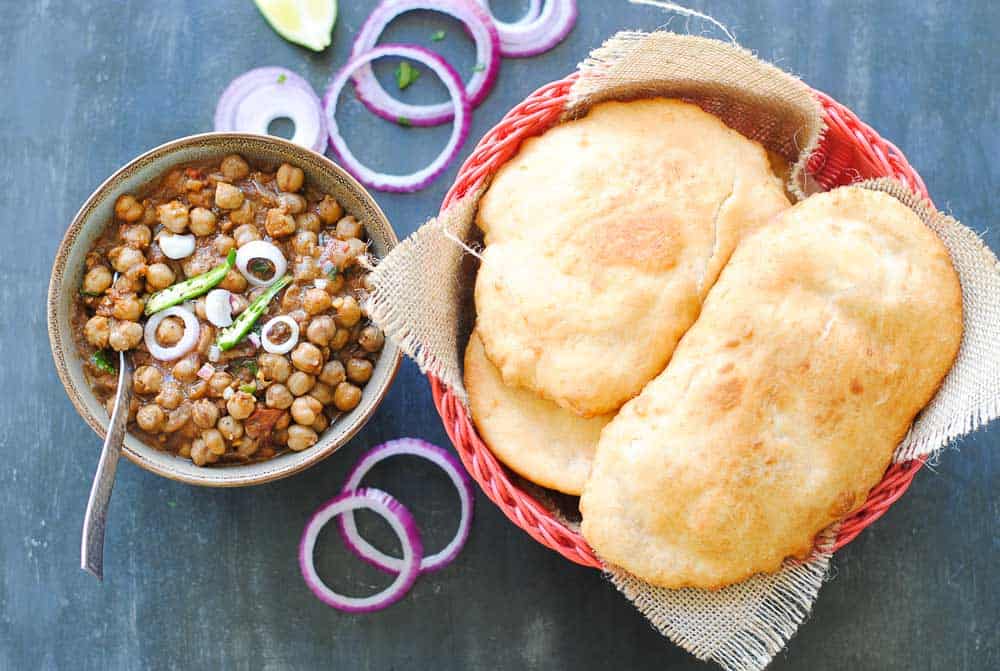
(650, 244)
(726, 368)
(856, 386)
(732, 343)
(726, 394)
(843, 504)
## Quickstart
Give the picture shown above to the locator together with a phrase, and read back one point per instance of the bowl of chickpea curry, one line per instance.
(232, 269)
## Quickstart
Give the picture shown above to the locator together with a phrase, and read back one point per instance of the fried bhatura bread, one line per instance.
(826, 333)
(602, 238)
(535, 438)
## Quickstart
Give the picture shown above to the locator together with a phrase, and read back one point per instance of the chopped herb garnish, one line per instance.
(249, 364)
(102, 362)
(478, 67)
(172, 504)
(248, 388)
(404, 122)
(281, 78)
(89, 293)
(333, 273)
(406, 74)
(437, 36)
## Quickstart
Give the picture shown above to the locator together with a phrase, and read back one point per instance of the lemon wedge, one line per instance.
(305, 22)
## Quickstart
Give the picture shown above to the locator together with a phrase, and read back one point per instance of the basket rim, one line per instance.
(532, 116)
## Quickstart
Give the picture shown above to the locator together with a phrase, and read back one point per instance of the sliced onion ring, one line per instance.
(219, 307)
(530, 38)
(284, 347)
(436, 455)
(183, 346)
(459, 131)
(480, 26)
(402, 524)
(176, 246)
(256, 98)
(260, 249)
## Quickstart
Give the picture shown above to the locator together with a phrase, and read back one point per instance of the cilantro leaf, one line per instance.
(406, 74)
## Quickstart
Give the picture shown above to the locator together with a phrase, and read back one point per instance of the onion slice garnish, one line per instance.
(176, 246)
(259, 249)
(480, 26)
(402, 524)
(206, 372)
(218, 308)
(183, 346)
(459, 131)
(256, 98)
(536, 36)
(283, 347)
(436, 455)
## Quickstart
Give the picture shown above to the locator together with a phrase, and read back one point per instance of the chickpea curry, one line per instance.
(237, 292)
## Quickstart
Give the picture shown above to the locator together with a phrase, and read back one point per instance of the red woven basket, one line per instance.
(850, 151)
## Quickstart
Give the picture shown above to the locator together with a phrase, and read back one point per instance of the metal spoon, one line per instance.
(92, 543)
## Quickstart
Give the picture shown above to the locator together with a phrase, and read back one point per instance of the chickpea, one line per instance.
(284, 419)
(131, 280)
(307, 358)
(306, 269)
(273, 368)
(359, 371)
(241, 405)
(348, 312)
(316, 301)
(204, 414)
(279, 224)
(234, 168)
(170, 331)
(333, 373)
(247, 448)
(147, 380)
(198, 390)
(151, 418)
(308, 221)
(230, 428)
(186, 369)
(217, 383)
(348, 227)
(371, 338)
(173, 216)
(355, 248)
(222, 244)
(202, 221)
(346, 396)
(184, 450)
(227, 196)
(178, 418)
(340, 339)
(127, 208)
(244, 214)
(335, 284)
(329, 210)
(292, 203)
(289, 178)
(159, 276)
(198, 263)
(305, 409)
(234, 282)
(321, 330)
(170, 396)
(200, 454)
(300, 383)
(245, 233)
(127, 307)
(321, 423)
(125, 335)
(123, 258)
(301, 437)
(304, 243)
(322, 392)
(97, 280)
(97, 330)
(206, 338)
(214, 441)
(278, 396)
(138, 236)
(291, 299)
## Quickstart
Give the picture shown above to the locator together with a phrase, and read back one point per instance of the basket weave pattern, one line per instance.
(850, 151)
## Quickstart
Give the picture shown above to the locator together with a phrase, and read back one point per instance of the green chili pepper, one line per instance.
(190, 288)
(248, 388)
(102, 362)
(232, 334)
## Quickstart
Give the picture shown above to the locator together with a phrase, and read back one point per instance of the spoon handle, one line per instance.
(92, 543)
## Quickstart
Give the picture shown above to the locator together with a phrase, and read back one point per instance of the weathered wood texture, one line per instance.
(200, 579)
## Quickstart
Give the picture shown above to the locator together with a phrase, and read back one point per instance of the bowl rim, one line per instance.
(56, 341)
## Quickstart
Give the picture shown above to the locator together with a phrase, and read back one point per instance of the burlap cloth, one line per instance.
(423, 301)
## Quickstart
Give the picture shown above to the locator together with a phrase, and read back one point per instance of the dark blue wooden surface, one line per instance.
(200, 579)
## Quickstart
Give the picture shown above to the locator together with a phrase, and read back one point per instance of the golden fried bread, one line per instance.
(825, 334)
(602, 238)
(535, 438)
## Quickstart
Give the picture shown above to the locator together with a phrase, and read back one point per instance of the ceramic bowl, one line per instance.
(94, 216)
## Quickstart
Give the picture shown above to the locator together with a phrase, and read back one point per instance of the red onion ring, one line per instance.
(534, 9)
(280, 348)
(261, 249)
(480, 26)
(530, 38)
(183, 346)
(460, 129)
(436, 455)
(256, 98)
(402, 524)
